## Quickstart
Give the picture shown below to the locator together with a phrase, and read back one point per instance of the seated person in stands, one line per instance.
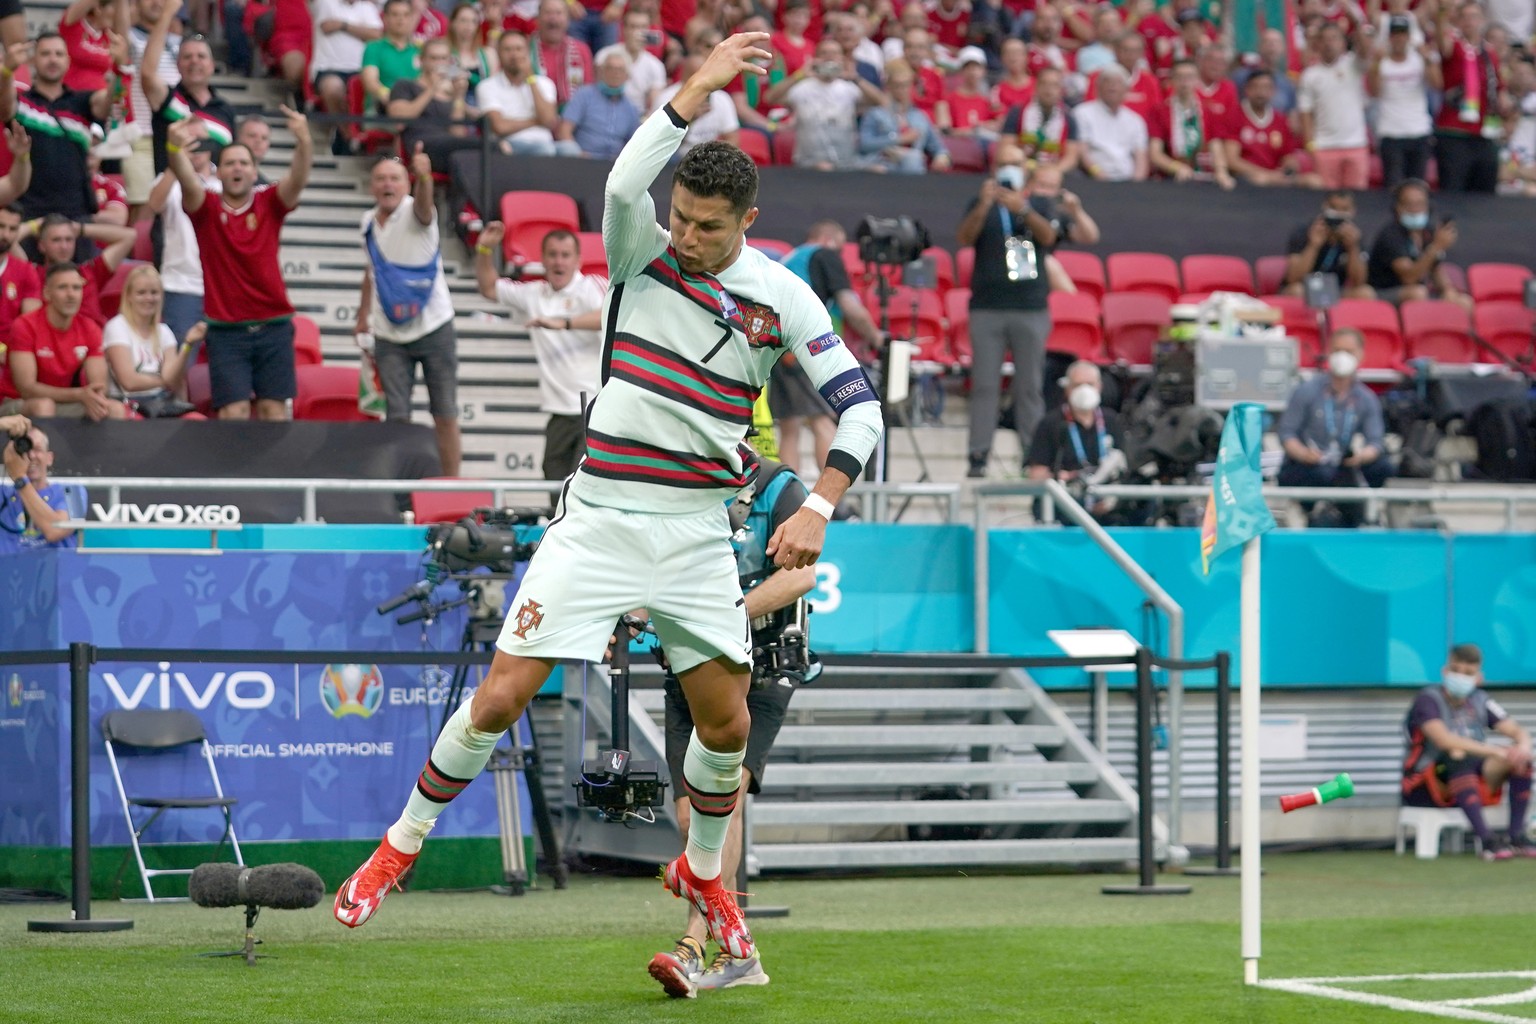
(896, 133)
(1333, 433)
(58, 241)
(394, 56)
(432, 105)
(343, 29)
(969, 107)
(1261, 148)
(1328, 245)
(144, 359)
(1405, 261)
(827, 97)
(1114, 136)
(600, 118)
(30, 507)
(520, 103)
(1082, 439)
(1451, 764)
(54, 362)
(1184, 140)
(1043, 127)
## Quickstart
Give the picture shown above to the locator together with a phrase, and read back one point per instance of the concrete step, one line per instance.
(925, 774)
(915, 737)
(822, 856)
(938, 812)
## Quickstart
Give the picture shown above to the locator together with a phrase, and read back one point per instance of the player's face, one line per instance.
(706, 232)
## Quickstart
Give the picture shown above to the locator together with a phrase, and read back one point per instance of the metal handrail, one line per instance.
(311, 487)
(1057, 494)
(1510, 496)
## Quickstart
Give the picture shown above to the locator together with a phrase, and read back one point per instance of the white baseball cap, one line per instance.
(972, 55)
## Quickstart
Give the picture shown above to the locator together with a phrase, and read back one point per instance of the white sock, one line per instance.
(459, 755)
(711, 779)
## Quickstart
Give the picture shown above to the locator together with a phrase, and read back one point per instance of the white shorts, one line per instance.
(139, 171)
(596, 563)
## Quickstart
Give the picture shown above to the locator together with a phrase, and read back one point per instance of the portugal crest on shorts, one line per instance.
(529, 617)
(761, 325)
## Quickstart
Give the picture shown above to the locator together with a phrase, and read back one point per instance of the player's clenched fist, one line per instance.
(798, 542)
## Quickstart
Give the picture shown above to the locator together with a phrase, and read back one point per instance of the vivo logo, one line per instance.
(247, 690)
(210, 515)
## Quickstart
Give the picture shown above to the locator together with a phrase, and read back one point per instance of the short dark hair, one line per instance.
(226, 150)
(1467, 654)
(1257, 74)
(390, 3)
(43, 37)
(14, 208)
(53, 220)
(55, 269)
(719, 169)
(559, 235)
(1339, 193)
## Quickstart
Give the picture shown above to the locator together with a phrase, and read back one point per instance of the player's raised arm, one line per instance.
(631, 235)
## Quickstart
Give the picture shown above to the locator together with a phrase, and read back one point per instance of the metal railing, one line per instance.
(877, 505)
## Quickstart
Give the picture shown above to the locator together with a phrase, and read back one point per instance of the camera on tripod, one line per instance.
(891, 241)
(480, 553)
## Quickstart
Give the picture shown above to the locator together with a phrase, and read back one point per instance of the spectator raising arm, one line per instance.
(292, 186)
(486, 275)
(180, 139)
(156, 88)
(19, 178)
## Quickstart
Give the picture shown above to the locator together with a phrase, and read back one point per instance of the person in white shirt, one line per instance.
(1100, 54)
(1331, 101)
(563, 314)
(520, 105)
(139, 169)
(342, 29)
(719, 122)
(647, 75)
(852, 35)
(181, 261)
(1113, 136)
(144, 358)
(827, 95)
(1401, 79)
(404, 313)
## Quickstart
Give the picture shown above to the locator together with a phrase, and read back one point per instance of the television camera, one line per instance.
(480, 553)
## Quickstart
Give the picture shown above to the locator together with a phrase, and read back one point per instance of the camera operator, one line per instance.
(1406, 260)
(1330, 244)
(30, 507)
(1085, 442)
(1014, 232)
(776, 495)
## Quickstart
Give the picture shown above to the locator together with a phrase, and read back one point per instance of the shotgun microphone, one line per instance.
(279, 886)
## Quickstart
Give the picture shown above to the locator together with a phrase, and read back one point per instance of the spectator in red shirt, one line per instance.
(1261, 148)
(1044, 49)
(1466, 129)
(250, 320)
(1184, 141)
(565, 61)
(917, 50)
(57, 239)
(967, 109)
(430, 22)
(1044, 128)
(1217, 93)
(84, 28)
(790, 42)
(15, 182)
(1016, 85)
(21, 290)
(950, 23)
(54, 358)
(111, 197)
(1144, 93)
(1163, 30)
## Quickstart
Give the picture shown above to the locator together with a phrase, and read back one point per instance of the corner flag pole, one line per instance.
(1249, 730)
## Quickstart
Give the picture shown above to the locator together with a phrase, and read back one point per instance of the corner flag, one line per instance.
(1235, 512)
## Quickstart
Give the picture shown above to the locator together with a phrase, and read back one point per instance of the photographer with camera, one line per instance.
(1330, 244)
(30, 507)
(1013, 232)
(776, 608)
(1406, 260)
(1085, 443)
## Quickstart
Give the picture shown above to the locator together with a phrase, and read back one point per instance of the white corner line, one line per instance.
(1324, 988)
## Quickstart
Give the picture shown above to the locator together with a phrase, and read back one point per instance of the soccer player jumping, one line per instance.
(693, 322)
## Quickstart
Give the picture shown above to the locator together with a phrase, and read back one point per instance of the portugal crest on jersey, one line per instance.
(760, 324)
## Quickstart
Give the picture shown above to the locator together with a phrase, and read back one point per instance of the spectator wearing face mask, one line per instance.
(1333, 433)
(1084, 434)
(1450, 762)
(1407, 256)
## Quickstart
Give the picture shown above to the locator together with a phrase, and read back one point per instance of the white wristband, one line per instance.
(821, 506)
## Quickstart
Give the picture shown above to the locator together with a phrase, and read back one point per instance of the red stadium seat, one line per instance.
(943, 267)
(1441, 331)
(784, 147)
(755, 145)
(594, 255)
(144, 242)
(370, 140)
(111, 294)
(448, 506)
(1270, 273)
(925, 328)
(771, 247)
(967, 154)
(328, 393)
(1149, 273)
(199, 392)
(1300, 322)
(1133, 321)
(1206, 274)
(1377, 321)
(965, 264)
(1497, 282)
(1075, 327)
(1085, 269)
(306, 342)
(529, 216)
(1508, 327)
(957, 310)
(1455, 276)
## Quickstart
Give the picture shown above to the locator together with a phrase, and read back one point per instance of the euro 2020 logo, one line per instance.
(14, 690)
(351, 690)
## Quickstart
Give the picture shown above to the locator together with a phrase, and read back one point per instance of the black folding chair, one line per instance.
(163, 731)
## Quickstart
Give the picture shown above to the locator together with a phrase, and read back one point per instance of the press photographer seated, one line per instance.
(1083, 440)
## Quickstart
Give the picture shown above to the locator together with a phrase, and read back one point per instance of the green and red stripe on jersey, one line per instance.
(437, 785)
(664, 372)
(622, 458)
(703, 290)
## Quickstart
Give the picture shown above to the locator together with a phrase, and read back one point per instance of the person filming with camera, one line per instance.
(1330, 244)
(1013, 232)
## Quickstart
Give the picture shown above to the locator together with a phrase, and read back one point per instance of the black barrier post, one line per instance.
(1223, 866)
(80, 658)
(1144, 799)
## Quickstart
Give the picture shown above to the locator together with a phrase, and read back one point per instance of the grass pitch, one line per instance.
(954, 948)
